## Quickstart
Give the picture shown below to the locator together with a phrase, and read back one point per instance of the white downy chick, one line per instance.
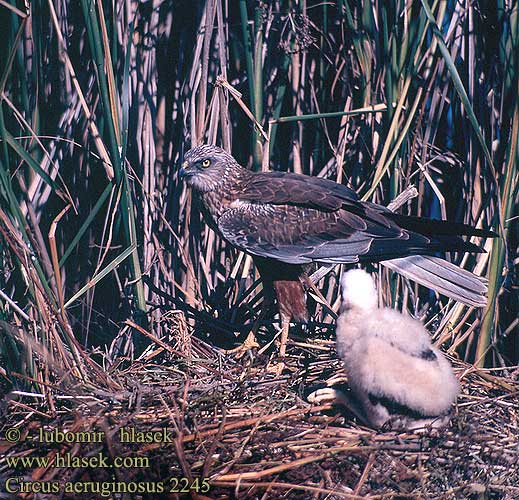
(394, 371)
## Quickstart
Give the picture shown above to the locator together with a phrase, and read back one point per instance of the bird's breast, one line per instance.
(215, 204)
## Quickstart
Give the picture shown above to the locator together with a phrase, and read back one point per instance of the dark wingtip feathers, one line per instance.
(437, 227)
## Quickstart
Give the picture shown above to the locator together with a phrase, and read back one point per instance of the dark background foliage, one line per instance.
(99, 102)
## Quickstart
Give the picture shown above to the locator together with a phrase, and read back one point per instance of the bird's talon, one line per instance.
(326, 395)
(248, 345)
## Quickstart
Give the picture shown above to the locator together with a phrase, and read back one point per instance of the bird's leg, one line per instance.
(279, 366)
(283, 339)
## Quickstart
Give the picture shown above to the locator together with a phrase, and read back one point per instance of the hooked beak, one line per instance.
(183, 171)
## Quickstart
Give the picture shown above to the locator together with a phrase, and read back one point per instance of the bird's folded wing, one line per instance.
(299, 235)
(425, 386)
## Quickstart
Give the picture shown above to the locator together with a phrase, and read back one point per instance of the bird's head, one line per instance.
(358, 290)
(205, 167)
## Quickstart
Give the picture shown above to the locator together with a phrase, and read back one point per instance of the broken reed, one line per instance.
(99, 102)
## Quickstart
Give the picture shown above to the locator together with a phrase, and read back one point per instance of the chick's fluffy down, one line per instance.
(390, 355)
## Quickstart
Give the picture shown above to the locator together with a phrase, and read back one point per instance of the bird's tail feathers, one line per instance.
(442, 276)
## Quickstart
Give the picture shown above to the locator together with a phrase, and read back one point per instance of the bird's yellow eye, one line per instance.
(206, 163)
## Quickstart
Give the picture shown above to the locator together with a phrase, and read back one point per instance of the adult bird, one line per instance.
(286, 220)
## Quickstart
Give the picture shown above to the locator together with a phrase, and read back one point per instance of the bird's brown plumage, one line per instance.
(297, 219)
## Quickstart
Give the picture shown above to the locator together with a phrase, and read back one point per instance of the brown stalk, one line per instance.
(54, 256)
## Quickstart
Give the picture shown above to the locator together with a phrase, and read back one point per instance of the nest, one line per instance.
(252, 435)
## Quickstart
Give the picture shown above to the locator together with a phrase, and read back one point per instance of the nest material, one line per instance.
(254, 436)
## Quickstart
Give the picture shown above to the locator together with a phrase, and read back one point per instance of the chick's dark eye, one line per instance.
(206, 163)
